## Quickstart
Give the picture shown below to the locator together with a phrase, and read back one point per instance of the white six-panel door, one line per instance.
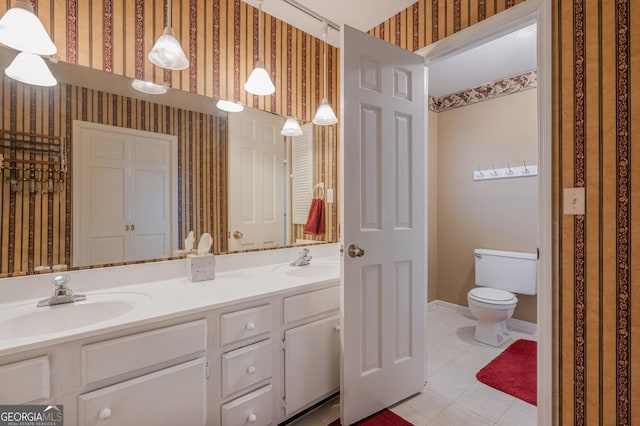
(384, 274)
(256, 180)
(124, 194)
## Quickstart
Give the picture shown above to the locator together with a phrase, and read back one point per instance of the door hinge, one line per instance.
(207, 369)
(284, 344)
(284, 402)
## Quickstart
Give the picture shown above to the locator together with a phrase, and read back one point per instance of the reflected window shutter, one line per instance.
(302, 170)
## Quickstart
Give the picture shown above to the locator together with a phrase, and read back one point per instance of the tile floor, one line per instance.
(452, 396)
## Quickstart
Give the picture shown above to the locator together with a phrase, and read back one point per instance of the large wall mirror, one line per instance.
(40, 187)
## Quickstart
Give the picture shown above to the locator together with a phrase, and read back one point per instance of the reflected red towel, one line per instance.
(315, 220)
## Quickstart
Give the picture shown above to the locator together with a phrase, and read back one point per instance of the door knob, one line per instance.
(237, 235)
(355, 251)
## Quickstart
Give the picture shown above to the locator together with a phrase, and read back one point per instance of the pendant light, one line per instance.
(30, 69)
(167, 52)
(21, 29)
(149, 87)
(291, 127)
(259, 82)
(325, 115)
(229, 106)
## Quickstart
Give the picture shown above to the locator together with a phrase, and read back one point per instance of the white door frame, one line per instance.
(538, 11)
(173, 173)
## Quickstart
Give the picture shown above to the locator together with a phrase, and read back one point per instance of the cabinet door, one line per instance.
(311, 362)
(173, 396)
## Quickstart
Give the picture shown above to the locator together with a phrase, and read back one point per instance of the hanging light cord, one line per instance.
(325, 65)
(169, 13)
(259, 27)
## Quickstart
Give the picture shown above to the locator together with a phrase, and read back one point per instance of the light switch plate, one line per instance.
(574, 201)
(330, 195)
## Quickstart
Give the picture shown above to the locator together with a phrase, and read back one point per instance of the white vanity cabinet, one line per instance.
(169, 396)
(29, 379)
(247, 365)
(311, 348)
(253, 361)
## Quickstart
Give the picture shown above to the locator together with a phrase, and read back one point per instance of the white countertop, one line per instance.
(163, 299)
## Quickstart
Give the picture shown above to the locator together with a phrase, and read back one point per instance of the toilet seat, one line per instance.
(492, 296)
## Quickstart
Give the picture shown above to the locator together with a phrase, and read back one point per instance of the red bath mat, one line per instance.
(514, 371)
(381, 418)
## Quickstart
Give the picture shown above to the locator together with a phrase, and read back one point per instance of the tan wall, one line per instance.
(596, 99)
(432, 191)
(498, 214)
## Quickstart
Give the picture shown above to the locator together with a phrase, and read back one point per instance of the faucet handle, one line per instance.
(61, 281)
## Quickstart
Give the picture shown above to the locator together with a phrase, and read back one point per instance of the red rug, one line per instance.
(514, 371)
(381, 418)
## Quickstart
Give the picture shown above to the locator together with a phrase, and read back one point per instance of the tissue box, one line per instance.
(201, 267)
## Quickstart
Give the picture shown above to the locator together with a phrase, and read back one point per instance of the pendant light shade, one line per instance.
(167, 52)
(21, 29)
(229, 106)
(259, 82)
(148, 87)
(291, 128)
(325, 115)
(30, 69)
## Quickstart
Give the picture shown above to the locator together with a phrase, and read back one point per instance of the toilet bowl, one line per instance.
(501, 273)
(492, 308)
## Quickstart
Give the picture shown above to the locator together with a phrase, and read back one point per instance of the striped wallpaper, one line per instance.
(597, 267)
(36, 227)
(219, 37)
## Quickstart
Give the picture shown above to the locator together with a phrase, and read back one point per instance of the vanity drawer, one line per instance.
(246, 366)
(118, 356)
(30, 381)
(255, 409)
(309, 304)
(173, 396)
(240, 325)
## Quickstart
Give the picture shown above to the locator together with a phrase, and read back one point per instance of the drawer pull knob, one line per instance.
(251, 418)
(104, 414)
(250, 326)
(251, 370)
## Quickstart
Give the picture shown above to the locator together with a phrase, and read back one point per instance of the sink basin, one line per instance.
(27, 320)
(322, 268)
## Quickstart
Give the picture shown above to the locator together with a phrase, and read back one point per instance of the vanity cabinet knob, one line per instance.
(104, 414)
(336, 328)
(251, 370)
(250, 326)
(251, 418)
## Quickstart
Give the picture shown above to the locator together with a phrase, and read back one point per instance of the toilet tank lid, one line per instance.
(502, 253)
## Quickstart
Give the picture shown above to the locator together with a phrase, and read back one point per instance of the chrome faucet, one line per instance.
(62, 293)
(303, 259)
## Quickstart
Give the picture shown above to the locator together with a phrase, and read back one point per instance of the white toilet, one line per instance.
(502, 273)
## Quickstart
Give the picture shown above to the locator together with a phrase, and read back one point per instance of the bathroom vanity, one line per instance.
(255, 346)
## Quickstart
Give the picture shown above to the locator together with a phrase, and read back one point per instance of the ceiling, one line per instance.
(360, 14)
(506, 56)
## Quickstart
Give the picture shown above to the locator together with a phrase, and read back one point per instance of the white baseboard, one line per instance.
(512, 323)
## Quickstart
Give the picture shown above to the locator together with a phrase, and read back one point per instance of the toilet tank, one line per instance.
(506, 270)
